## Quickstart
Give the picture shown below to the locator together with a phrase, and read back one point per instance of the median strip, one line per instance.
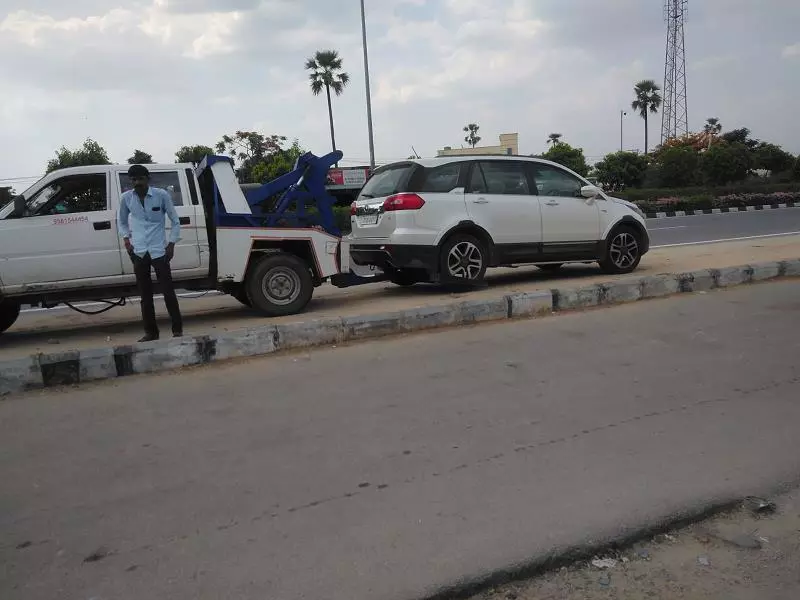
(73, 367)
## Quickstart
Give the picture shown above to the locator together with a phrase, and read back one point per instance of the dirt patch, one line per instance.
(738, 556)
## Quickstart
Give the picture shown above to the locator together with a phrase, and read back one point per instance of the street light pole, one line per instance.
(366, 82)
(622, 113)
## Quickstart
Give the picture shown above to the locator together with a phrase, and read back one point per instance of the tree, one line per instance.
(712, 126)
(678, 166)
(248, 149)
(572, 158)
(277, 164)
(648, 100)
(725, 163)
(554, 138)
(472, 137)
(621, 170)
(326, 74)
(140, 158)
(772, 158)
(192, 154)
(6, 194)
(740, 136)
(90, 153)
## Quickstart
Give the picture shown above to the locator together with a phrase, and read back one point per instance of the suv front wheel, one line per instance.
(623, 251)
(463, 258)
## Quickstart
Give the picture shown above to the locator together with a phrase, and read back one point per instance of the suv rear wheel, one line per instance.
(9, 311)
(463, 258)
(623, 250)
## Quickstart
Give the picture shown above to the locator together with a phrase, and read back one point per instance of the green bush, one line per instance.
(754, 186)
(725, 163)
(621, 170)
(678, 166)
(572, 158)
(708, 201)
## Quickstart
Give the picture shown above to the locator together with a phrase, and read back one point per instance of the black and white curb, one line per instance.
(719, 211)
(79, 366)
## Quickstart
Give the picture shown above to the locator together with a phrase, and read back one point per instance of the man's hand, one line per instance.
(170, 250)
(128, 245)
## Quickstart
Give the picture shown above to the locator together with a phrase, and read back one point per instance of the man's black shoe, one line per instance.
(148, 338)
(177, 334)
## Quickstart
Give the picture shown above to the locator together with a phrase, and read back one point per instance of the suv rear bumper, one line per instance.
(388, 257)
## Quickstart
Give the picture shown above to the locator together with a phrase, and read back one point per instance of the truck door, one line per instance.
(69, 233)
(187, 250)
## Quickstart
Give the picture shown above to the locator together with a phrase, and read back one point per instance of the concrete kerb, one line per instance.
(74, 367)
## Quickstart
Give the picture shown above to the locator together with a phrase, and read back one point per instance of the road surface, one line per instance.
(387, 469)
(709, 228)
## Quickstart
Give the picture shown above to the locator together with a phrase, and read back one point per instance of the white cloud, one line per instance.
(792, 51)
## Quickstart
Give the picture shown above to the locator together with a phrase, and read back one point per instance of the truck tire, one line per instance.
(9, 311)
(241, 296)
(279, 284)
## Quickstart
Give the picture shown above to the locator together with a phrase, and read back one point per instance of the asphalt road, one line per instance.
(384, 470)
(710, 228)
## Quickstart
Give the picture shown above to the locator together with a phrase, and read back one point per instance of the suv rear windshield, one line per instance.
(388, 181)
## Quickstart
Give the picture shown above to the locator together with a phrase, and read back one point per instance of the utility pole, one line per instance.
(366, 81)
(622, 113)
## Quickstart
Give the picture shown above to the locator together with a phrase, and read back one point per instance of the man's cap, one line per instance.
(138, 171)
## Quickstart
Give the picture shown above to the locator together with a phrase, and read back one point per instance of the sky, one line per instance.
(159, 74)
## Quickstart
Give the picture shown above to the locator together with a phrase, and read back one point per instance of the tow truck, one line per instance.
(267, 245)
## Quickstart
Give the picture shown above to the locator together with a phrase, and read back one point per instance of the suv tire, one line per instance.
(279, 284)
(623, 250)
(463, 258)
(9, 312)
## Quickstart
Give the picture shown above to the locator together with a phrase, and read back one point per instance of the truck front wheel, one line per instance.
(280, 284)
(9, 311)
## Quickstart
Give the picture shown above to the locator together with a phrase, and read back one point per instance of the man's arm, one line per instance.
(122, 223)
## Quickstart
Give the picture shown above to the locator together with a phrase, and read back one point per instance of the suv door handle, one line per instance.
(102, 225)
(480, 201)
(552, 203)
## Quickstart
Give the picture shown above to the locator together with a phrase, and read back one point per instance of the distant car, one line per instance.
(448, 219)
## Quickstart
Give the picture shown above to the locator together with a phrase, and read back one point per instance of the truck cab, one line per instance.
(61, 235)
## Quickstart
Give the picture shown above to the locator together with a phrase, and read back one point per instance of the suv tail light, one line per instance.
(352, 208)
(403, 202)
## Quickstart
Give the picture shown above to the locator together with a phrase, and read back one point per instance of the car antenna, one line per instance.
(415, 152)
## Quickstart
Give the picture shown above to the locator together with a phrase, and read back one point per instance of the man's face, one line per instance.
(140, 183)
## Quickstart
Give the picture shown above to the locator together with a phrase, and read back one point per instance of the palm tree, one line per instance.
(554, 138)
(472, 134)
(648, 100)
(326, 73)
(712, 126)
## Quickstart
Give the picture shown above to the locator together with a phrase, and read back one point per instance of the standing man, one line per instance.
(141, 223)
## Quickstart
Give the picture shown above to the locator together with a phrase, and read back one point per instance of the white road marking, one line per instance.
(736, 239)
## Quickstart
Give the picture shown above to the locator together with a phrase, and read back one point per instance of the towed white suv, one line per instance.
(447, 219)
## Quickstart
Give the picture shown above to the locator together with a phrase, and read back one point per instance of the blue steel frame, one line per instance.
(302, 187)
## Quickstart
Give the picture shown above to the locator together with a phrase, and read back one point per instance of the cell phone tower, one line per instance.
(674, 119)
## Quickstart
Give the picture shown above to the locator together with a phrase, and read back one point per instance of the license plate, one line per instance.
(367, 219)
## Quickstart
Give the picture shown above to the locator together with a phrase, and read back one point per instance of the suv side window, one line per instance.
(166, 180)
(552, 181)
(440, 180)
(70, 195)
(499, 177)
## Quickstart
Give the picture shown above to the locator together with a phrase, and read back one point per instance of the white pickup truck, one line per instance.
(59, 241)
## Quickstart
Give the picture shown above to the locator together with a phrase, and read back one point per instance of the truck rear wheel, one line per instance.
(9, 311)
(280, 284)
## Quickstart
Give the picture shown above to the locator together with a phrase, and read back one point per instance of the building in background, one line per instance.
(509, 144)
